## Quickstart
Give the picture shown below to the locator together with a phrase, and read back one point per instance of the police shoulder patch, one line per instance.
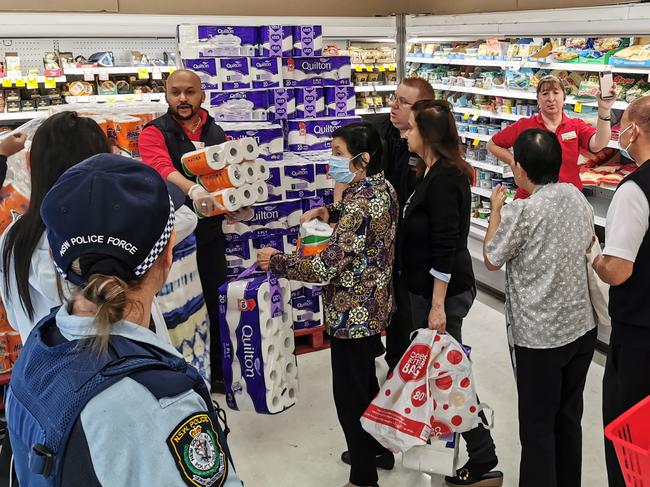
(198, 453)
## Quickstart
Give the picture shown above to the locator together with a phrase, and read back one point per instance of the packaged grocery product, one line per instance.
(126, 131)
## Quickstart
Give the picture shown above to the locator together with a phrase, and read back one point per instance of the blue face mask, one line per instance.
(624, 151)
(339, 169)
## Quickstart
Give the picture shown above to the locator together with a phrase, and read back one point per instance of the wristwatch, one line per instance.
(608, 118)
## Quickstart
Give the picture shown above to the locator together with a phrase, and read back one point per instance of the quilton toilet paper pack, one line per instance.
(276, 40)
(234, 73)
(282, 104)
(240, 105)
(269, 136)
(207, 71)
(307, 40)
(310, 102)
(310, 135)
(341, 101)
(217, 40)
(316, 71)
(266, 72)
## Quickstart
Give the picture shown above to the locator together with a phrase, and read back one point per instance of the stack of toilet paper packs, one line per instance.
(231, 173)
(260, 369)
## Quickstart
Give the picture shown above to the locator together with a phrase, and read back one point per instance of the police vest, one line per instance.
(54, 379)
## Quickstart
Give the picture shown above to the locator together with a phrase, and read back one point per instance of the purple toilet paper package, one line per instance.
(282, 104)
(307, 40)
(234, 73)
(316, 71)
(276, 40)
(240, 105)
(341, 101)
(207, 71)
(266, 72)
(310, 102)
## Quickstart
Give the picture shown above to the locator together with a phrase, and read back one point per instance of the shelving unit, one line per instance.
(98, 70)
(145, 97)
(363, 111)
(374, 88)
(22, 116)
(503, 170)
(485, 113)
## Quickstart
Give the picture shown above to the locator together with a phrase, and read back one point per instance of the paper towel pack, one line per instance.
(341, 101)
(282, 104)
(266, 72)
(239, 105)
(309, 135)
(206, 69)
(234, 73)
(260, 368)
(307, 40)
(276, 40)
(299, 180)
(316, 71)
(310, 102)
(270, 137)
(217, 40)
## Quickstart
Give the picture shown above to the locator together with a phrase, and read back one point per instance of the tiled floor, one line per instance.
(301, 446)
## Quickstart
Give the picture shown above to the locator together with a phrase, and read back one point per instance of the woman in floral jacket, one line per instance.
(358, 300)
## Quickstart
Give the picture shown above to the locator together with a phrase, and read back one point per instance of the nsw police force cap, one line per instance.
(109, 208)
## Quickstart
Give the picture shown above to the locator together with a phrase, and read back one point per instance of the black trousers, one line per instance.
(355, 386)
(480, 445)
(550, 384)
(211, 261)
(625, 383)
(401, 324)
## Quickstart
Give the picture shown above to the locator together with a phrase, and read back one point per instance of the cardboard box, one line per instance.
(546, 4)
(61, 5)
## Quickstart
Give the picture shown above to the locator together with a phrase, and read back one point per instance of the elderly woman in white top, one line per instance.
(543, 242)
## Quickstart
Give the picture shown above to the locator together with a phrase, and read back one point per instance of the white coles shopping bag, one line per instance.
(430, 394)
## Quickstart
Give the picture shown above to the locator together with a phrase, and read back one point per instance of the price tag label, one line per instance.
(111, 99)
(92, 99)
(392, 68)
(172, 69)
(129, 98)
(50, 82)
(382, 69)
(358, 69)
(476, 142)
(146, 97)
(7, 82)
(32, 83)
(143, 73)
(156, 73)
(475, 117)
(103, 75)
(578, 107)
(88, 74)
(20, 82)
(466, 116)
(370, 68)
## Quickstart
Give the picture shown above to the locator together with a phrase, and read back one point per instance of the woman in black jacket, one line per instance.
(436, 262)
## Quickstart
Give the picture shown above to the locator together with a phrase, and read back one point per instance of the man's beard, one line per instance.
(185, 117)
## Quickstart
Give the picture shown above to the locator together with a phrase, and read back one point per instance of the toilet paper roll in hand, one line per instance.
(227, 200)
(250, 148)
(228, 177)
(249, 172)
(210, 159)
(247, 195)
(261, 189)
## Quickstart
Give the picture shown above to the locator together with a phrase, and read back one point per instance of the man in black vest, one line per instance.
(184, 128)
(625, 265)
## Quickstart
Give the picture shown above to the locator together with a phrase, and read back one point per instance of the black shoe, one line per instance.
(385, 461)
(218, 387)
(476, 475)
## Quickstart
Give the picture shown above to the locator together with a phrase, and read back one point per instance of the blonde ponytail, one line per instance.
(108, 293)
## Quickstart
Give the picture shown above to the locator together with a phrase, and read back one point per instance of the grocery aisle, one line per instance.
(301, 447)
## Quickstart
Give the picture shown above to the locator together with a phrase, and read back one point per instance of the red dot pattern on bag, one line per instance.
(439, 428)
(419, 396)
(388, 392)
(436, 365)
(465, 383)
(435, 406)
(445, 406)
(472, 410)
(407, 411)
(455, 357)
(444, 383)
(413, 365)
(437, 338)
(456, 420)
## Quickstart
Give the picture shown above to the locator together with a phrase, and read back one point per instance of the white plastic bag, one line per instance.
(598, 290)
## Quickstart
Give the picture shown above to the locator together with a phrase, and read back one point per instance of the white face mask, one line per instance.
(625, 151)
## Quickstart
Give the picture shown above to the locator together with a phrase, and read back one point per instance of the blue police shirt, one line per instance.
(132, 438)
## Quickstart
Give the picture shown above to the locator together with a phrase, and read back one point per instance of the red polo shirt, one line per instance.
(572, 133)
(153, 149)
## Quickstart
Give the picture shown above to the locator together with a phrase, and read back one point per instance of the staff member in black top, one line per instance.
(436, 262)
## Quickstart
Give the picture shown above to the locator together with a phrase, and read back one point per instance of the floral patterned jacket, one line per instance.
(358, 263)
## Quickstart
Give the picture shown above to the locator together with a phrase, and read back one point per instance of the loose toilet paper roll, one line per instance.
(227, 200)
(250, 148)
(228, 177)
(249, 171)
(247, 196)
(262, 190)
(210, 159)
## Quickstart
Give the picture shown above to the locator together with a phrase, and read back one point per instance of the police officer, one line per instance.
(184, 128)
(96, 398)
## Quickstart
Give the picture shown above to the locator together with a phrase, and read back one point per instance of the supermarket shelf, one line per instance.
(480, 222)
(489, 114)
(18, 116)
(368, 111)
(472, 136)
(486, 193)
(115, 70)
(503, 170)
(389, 66)
(595, 68)
(146, 97)
(373, 88)
(25, 79)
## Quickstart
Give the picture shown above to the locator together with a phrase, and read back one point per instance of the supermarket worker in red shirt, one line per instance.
(184, 128)
(574, 134)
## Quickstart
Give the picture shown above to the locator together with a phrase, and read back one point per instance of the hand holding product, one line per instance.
(317, 213)
(498, 198)
(264, 257)
(12, 144)
(204, 203)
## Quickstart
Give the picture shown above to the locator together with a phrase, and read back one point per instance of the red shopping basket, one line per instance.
(630, 433)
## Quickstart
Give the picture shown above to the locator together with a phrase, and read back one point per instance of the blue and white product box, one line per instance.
(239, 254)
(341, 101)
(206, 69)
(234, 73)
(307, 40)
(310, 135)
(240, 105)
(217, 40)
(282, 104)
(266, 72)
(257, 344)
(269, 137)
(276, 40)
(306, 304)
(274, 183)
(268, 219)
(299, 181)
(310, 102)
(273, 241)
(316, 71)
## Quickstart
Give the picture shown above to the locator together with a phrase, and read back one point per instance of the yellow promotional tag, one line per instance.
(466, 116)
(7, 82)
(32, 83)
(475, 117)
(382, 68)
(578, 107)
(20, 82)
(143, 73)
(358, 69)
(172, 69)
(50, 82)
(392, 68)
(129, 98)
(476, 142)
(110, 99)
(370, 68)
